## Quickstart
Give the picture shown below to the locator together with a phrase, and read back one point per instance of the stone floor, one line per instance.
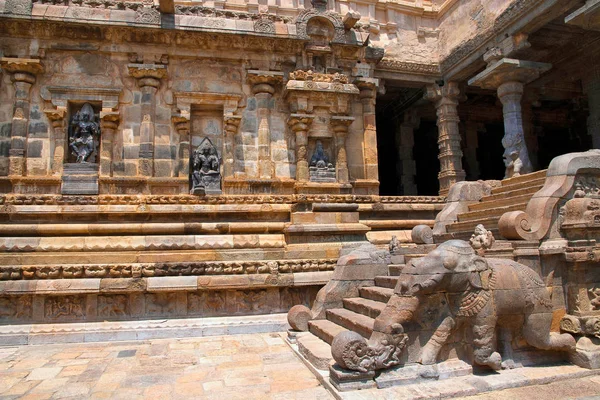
(221, 367)
(248, 366)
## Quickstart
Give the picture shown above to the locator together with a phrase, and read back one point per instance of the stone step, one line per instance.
(465, 235)
(315, 350)
(350, 320)
(394, 269)
(386, 281)
(526, 191)
(492, 205)
(376, 293)
(489, 223)
(367, 307)
(324, 329)
(409, 257)
(510, 186)
(525, 177)
(493, 212)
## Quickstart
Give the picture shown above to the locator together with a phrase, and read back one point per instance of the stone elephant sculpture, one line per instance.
(485, 294)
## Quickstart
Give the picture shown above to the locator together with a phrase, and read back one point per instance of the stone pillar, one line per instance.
(406, 164)
(182, 125)
(109, 124)
(148, 79)
(23, 75)
(340, 130)
(508, 76)
(472, 131)
(450, 153)
(230, 124)
(368, 93)
(591, 86)
(299, 124)
(510, 94)
(263, 88)
(57, 118)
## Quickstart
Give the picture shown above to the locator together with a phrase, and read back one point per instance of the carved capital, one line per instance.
(264, 81)
(22, 69)
(231, 123)
(300, 122)
(341, 124)
(148, 74)
(109, 119)
(56, 116)
(442, 94)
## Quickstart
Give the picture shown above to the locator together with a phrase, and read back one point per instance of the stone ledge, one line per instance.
(457, 386)
(12, 335)
(159, 284)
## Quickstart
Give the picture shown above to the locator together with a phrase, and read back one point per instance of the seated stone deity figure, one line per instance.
(321, 170)
(513, 164)
(205, 174)
(84, 131)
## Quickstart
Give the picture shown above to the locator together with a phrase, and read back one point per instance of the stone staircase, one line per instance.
(512, 195)
(358, 314)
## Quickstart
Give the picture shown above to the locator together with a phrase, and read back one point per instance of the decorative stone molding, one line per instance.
(536, 221)
(409, 67)
(145, 270)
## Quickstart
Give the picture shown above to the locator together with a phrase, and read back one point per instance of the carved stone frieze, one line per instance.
(15, 308)
(116, 305)
(74, 271)
(403, 66)
(65, 307)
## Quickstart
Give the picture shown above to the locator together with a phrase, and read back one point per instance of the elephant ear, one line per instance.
(471, 264)
(479, 278)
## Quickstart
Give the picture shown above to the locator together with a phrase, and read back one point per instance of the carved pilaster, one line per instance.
(445, 99)
(148, 78)
(340, 129)
(23, 75)
(368, 93)
(109, 125)
(230, 123)
(57, 118)
(299, 124)
(182, 125)
(263, 87)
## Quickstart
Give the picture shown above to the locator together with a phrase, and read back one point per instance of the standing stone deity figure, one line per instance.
(513, 164)
(84, 133)
(205, 174)
(321, 170)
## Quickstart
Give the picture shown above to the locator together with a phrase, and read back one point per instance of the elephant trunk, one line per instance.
(398, 310)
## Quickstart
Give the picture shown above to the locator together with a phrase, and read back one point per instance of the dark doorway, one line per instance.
(426, 158)
(490, 151)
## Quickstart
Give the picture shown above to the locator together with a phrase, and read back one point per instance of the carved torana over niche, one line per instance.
(84, 133)
(205, 171)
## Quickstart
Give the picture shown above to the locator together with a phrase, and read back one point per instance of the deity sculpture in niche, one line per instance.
(84, 133)
(321, 170)
(205, 171)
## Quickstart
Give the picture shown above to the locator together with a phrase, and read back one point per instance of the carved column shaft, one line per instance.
(182, 125)
(340, 129)
(406, 163)
(300, 125)
(510, 94)
(57, 117)
(148, 79)
(23, 75)
(109, 126)
(231, 123)
(368, 93)
(450, 153)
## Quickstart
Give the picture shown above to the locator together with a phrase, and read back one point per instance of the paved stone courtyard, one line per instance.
(253, 366)
(220, 367)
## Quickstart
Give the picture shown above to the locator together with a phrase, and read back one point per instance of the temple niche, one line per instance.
(205, 173)
(84, 135)
(321, 169)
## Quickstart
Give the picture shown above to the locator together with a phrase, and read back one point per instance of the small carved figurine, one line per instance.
(205, 174)
(481, 239)
(513, 164)
(84, 132)
(321, 170)
(394, 244)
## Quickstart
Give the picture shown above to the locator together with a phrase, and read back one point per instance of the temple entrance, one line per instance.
(490, 151)
(426, 159)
